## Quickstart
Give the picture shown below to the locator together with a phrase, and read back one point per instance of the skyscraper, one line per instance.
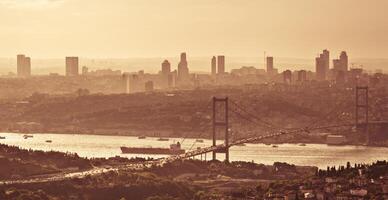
(326, 60)
(322, 65)
(341, 64)
(320, 68)
(183, 70)
(166, 74)
(269, 65)
(72, 66)
(287, 76)
(27, 66)
(214, 66)
(344, 61)
(221, 64)
(166, 68)
(23, 66)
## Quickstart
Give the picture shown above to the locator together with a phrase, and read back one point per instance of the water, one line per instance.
(320, 155)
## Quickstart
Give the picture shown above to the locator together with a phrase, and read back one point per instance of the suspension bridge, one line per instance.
(361, 108)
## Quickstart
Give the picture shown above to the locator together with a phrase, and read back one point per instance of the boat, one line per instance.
(163, 139)
(199, 140)
(2, 137)
(175, 149)
(275, 146)
(27, 136)
(302, 145)
(141, 137)
(267, 144)
(49, 141)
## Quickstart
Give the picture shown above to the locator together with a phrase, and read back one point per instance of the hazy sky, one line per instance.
(159, 28)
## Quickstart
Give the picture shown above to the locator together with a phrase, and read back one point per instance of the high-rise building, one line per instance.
(326, 60)
(72, 66)
(214, 66)
(23, 66)
(322, 65)
(344, 61)
(166, 74)
(20, 64)
(287, 76)
(27, 66)
(341, 64)
(220, 64)
(320, 68)
(183, 70)
(270, 65)
(166, 68)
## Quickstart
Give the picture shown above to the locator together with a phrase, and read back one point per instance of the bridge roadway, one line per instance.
(158, 162)
(246, 140)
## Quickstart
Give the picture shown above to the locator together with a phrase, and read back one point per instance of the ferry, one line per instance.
(175, 149)
(163, 139)
(141, 137)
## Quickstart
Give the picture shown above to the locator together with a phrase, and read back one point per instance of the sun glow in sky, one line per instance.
(157, 28)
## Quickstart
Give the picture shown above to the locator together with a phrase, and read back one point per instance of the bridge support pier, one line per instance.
(362, 104)
(223, 123)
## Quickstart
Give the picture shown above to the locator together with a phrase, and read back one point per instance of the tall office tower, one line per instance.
(214, 66)
(341, 64)
(270, 66)
(326, 59)
(183, 70)
(27, 66)
(23, 66)
(344, 61)
(20, 64)
(320, 68)
(166, 68)
(287, 76)
(221, 64)
(72, 66)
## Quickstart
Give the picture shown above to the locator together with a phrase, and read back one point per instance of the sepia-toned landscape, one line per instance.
(193, 100)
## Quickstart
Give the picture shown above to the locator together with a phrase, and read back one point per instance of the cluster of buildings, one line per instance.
(342, 187)
(182, 78)
(338, 72)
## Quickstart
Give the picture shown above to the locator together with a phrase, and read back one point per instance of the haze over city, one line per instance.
(193, 100)
(153, 28)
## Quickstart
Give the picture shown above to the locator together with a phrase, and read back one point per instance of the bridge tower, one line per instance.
(221, 123)
(362, 107)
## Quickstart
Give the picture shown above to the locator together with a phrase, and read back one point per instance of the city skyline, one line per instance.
(133, 29)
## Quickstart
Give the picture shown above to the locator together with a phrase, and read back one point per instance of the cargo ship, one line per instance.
(174, 149)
